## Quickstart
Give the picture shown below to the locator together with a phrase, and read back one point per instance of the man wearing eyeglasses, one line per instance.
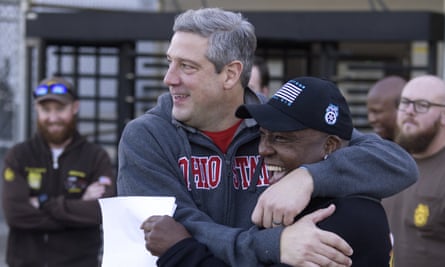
(51, 184)
(417, 214)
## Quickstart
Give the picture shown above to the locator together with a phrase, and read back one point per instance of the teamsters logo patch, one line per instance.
(331, 114)
(421, 214)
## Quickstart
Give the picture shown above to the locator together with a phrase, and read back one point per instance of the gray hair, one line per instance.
(231, 36)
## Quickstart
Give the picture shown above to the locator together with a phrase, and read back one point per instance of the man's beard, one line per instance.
(60, 137)
(418, 142)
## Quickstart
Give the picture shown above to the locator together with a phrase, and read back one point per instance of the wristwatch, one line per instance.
(42, 198)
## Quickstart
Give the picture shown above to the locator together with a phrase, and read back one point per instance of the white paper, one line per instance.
(124, 243)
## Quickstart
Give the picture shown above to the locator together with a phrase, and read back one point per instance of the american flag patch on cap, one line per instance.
(289, 92)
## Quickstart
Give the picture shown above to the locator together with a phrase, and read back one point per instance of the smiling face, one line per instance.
(382, 115)
(285, 151)
(382, 101)
(56, 121)
(197, 90)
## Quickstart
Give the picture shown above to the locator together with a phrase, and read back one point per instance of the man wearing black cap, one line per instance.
(304, 122)
(51, 184)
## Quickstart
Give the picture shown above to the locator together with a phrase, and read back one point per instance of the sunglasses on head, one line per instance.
(56, 89)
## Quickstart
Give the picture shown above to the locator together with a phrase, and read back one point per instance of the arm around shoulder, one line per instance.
(369, 166)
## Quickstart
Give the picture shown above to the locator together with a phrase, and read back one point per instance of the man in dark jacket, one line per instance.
(51, 184)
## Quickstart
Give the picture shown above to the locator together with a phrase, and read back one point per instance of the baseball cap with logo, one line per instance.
(301, 103)
(55, 88)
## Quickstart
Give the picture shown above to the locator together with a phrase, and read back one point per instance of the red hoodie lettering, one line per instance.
(206, 172)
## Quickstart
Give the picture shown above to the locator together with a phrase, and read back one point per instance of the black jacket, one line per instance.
(361, 221)
(66, 230)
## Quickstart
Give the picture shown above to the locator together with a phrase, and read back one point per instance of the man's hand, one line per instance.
(304, 244)
(161, 233)
(285, 199)
(97, 189)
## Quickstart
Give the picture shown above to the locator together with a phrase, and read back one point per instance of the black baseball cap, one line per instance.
(301, 103)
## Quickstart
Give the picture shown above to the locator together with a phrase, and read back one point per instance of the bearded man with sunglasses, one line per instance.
(417, 214)
(51, 186)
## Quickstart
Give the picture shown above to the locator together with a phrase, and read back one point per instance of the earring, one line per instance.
(325, 156)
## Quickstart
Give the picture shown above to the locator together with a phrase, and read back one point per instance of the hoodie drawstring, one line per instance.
(256, 176)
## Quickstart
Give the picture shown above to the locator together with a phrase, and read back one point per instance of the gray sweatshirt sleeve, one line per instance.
(369, 165)
(149, 168)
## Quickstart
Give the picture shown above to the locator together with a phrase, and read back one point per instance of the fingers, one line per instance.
(161, 233)
(283, 200)
(267, 215)
(313, 251)
(304, 244)
(288, 219)
(333, 258)
(334, 242)
(332, 251)
(318, 260)
(267, 219)
(336, 247)
(321, 214)
(277, 219)
(257, 214)
(272, 217)
(147, 225)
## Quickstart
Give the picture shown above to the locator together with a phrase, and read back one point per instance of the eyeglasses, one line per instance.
(57, 89)
(420, 106)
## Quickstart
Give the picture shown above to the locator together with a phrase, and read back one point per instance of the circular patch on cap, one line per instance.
(331, 114)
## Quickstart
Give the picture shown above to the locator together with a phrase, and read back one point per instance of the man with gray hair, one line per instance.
(192, 146)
